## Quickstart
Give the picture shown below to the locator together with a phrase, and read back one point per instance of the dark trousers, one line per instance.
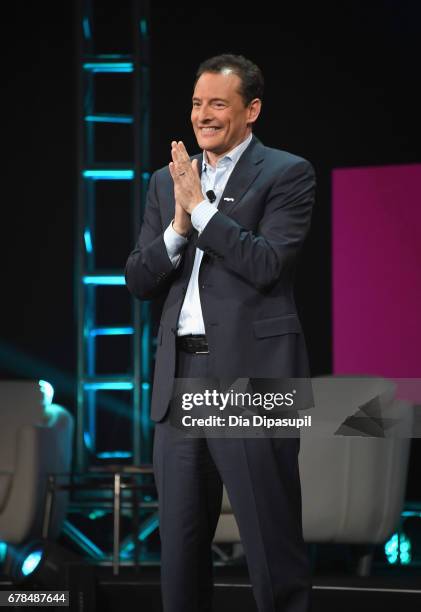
(262, 481)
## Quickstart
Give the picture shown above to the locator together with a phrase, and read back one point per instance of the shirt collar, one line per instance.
(233, 156)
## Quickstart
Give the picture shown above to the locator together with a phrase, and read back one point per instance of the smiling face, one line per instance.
(219, 117)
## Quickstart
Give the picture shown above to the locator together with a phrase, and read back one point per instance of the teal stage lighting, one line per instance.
(109, 175)
(31, 562)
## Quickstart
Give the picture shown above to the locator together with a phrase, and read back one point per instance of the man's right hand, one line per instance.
(182, 222)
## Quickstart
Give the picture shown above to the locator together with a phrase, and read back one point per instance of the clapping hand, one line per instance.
(187, 187)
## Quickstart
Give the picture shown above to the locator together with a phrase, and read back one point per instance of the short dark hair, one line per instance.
(252, 82)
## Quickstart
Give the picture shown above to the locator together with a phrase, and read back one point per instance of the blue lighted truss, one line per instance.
(89, 278)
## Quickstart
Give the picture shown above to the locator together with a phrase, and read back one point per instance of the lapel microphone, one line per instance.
(211, 196)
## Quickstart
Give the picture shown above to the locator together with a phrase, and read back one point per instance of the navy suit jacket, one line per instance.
(246, 274)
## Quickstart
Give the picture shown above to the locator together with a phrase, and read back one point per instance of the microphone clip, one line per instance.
(210, 194)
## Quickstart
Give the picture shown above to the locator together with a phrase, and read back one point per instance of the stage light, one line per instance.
(111, 331)
(108, 66)
(31, 562)
(398, 549)
(114, 455)
(106, 279)
(391, 548)
(86, 28)
(103, 118)
(143, 26)
(47, 390)
(109, 175)
(40, 562)
(110, 386)
(88, 240)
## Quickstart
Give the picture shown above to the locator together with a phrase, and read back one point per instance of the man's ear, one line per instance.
(254, 109)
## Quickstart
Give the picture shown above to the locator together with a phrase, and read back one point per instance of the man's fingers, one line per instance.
(183, 150)
(172, 169)
(181, 165)
(195, 165)
(175, 154)
(178, 159)
(178, 152)
(176, 171)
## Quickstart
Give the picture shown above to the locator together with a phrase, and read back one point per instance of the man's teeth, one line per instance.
(207, 130)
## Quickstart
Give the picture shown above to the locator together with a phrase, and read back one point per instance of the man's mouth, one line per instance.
(209, 130)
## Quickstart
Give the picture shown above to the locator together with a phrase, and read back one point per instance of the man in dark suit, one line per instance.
(220, 238)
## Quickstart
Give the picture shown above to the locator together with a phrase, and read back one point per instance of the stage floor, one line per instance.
(96, 589)
(388, 592)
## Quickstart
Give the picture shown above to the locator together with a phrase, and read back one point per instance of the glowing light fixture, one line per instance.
(109, 118)
(114, 455)
(398, 549)
(48, 392)
(108, 66)
(109, 175)
(112, 331)
(111, 386)
(31, 562)
(112, 279)
(88, 240)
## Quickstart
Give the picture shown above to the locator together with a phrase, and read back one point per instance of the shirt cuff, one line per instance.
(174, 244)
(202, 214)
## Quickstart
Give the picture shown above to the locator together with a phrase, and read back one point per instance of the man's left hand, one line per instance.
(185, 174)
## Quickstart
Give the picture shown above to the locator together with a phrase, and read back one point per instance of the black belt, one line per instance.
(193, 343)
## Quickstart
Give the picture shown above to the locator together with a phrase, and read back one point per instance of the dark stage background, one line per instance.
(341, 90)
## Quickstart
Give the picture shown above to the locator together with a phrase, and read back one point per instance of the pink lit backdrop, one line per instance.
(376, 259)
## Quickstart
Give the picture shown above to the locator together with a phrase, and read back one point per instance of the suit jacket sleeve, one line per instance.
(262, 257)
(149, 270)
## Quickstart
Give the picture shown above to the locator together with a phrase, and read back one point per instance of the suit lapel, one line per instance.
(195, 233)
(245, 172)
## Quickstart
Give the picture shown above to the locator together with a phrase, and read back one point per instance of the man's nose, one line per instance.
(205, 114)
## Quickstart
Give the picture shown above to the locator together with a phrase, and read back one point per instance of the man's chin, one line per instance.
(208, 146)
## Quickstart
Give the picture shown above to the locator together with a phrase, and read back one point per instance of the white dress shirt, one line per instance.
(191, 319)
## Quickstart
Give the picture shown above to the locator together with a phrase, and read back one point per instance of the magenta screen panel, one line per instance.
(376, 259)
